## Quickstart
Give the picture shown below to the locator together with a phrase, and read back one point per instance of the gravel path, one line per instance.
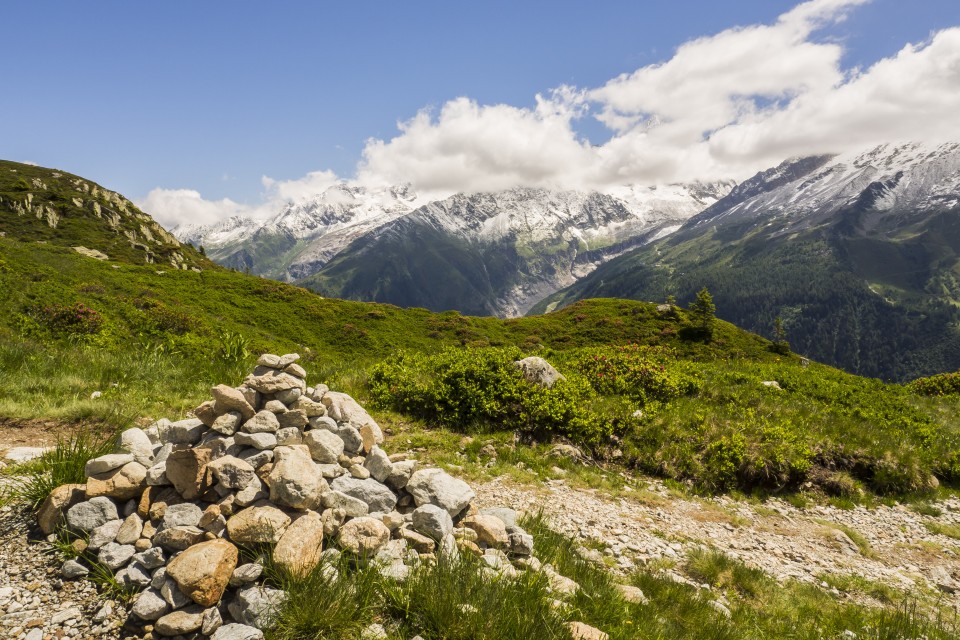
(786, 542)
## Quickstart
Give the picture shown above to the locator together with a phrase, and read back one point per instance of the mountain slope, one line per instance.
(498, 253)
(46, 205)
(859, 254)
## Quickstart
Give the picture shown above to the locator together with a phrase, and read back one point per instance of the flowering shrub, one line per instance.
(73, 320)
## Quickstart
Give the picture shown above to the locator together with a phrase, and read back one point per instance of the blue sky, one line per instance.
(212, 96)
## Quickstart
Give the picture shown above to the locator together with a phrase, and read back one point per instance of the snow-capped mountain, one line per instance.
(858, 253)
(553, 236)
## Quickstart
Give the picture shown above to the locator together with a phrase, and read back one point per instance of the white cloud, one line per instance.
(172, 207)
(723, 106)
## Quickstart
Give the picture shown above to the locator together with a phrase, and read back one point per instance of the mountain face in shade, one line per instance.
(858, 254)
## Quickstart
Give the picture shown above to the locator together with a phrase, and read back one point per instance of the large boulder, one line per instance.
(536, 370)
(203, 571)
(437, 487)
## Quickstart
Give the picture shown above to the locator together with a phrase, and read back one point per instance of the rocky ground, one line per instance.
(655, 527)
(652, 526)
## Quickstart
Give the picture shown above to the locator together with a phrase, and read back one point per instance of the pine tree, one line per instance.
(702, 312)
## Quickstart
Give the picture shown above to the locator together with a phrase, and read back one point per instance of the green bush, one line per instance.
(481, 388)
(69, 320)
(641, 373)
(944, 384)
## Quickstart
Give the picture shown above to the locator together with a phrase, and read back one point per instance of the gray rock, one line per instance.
(352, 440)
(326, 423)
(521, 542)
(130, 529)
(227, 399)
(256, 457)
(352, 507)
(435, 486)
(263, 422)
(172, 594)
(293, 419)
(246, 574)
(134, 575)
(294, 480)
(152, 558)
(251, 493)
(227, 423)
(507, 516)
(378, 464)
(137, 443)
(289, 436)
(157, 475)
(106, 463)
(536, 370)
(269, 360)
(263, 440)
(325, 447)
(105, 533)
(178, 538)
(255, 605)
(90, 514)
(181, 432)
(331, 471)
(212, 620)
(400, 473)
(432, 521)
(235, 631)
(113, 555)
(186, 514)
(178, 623)
(72, 569)
(231, 472)
(150, 605)
(377, 496)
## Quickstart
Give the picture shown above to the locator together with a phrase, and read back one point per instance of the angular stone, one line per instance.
(133, 575)
(105, 533)
(227, 423)
(171, 592)
(130, 529)
(377, 496)
(327, 423)
(490, 530)
(294, 480)
(289, 436)
(432, 521)
(182, 432)
(260, 523)
(582, 631)
(521, 542)
(295, 418)
(212, 621)
(261, 441)
(288, 359)
(72, 569)
(255, 605)
(90, 514)
(435, 486)
(54, 508)
(203, 571)
(300, 546)
(185, 470)
(269, 360)
(229, 399)
(182, 515)
(370, 436)
(245, 574)
(272, 381)
(363, 536)
(311, 408)
(343, 408)
(205, 413)
(107, 463)
(352, 507)
(507, 516)
(124, 483)
(157, 500)
(359, 471)
(378, 464)
(231, 472)
(400, 473)
(632, 594)
(113, 555)
(150, 605)
(325, 447)
(151, 558)
(295, 370)
(419, 542)
(262, 422)
(236, 631)
(137, 443)
(178, 538)
(178, 623)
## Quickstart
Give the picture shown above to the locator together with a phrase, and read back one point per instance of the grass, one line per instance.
(855, 536)
(940, 528)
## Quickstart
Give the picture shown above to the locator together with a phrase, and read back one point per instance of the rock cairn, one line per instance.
(275, 462)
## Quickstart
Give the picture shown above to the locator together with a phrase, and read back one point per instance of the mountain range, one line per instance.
(857, 253)
(498, 253)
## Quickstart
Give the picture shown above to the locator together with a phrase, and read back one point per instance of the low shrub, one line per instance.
(944, 384)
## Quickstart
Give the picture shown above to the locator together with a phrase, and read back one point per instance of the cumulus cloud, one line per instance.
(723, 106)
(173, 207)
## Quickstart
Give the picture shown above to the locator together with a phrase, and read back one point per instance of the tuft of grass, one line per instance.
(940, 528)
(64, 464)
(855, 536)
(927, 509)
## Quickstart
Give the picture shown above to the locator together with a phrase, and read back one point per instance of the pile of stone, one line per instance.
(276, 462)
